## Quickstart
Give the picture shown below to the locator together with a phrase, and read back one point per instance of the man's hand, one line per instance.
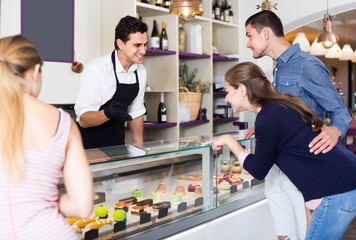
(113, 111)
(325, 141)
(250, 132)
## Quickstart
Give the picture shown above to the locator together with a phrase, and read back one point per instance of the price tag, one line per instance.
(91, 234)
(182, 207)
(145, 218)
(233, 189)
(245, 185)
(198, 202)
(119, 226)
(163, 212)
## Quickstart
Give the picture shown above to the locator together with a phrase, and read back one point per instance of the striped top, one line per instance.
(29, 210)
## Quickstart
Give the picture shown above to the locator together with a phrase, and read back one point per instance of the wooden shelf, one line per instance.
(186, 55)
(219, 58)
(219, 120)
(156, 125)
(159, 52)
(194, 122)
(220, 93)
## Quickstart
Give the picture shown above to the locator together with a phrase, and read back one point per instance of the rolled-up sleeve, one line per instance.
(318, 86)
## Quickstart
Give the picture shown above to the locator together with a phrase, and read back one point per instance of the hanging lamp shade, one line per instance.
(346, 53)
(333, 52)
(303, 42)
(328, 37)
(317, 49)
(186, 9)
(354, 58)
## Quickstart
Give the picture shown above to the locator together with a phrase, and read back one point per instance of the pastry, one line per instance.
(137, 194)
(156, 196)
(157, 206)
(191, 177)
(191, 187)
(129, 200)
(224, 185)
(180, 189)
(146, 203)
(119, 215)
(198, 192)
(175, 198)
(236, 168)
(82, 223)
(122, 206)
(138, 210)
(72, 220)
(161, 187)
(100, 223)
(101, 212)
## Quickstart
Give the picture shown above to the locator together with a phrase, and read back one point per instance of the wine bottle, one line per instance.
(222, 11)
(162, 110)
(145, 114)
(231, 14)
(158, 3)
(154, 36)
(167, 4)
(181, 38)
(163, 38)
(226, 12)
(145, 1)
(217, 10)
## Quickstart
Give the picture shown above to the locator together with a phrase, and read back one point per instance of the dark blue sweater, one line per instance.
(282, 138)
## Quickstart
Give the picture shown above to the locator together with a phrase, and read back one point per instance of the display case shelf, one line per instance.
(220, 120)
(156, 125)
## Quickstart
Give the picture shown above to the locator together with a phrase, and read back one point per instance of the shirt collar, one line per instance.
(120, 68)
(287, 54)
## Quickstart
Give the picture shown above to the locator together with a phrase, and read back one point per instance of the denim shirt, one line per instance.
(306, 77)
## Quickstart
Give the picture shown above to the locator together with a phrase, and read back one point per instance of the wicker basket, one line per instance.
(192, 100)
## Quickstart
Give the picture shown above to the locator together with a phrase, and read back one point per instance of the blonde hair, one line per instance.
(260, 92)
(17, 56)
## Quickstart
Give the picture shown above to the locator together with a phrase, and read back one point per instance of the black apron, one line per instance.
(111, 132)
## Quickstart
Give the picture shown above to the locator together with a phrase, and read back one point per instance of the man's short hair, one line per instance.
(266, 19)
(126, 26)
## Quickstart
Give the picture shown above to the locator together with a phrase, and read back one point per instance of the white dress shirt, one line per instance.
(98, 85)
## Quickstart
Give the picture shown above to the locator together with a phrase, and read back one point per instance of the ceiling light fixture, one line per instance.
(327, 37)
(303, 42)
(186, 9)
(317, 49)
(346, 53)
(333, 52)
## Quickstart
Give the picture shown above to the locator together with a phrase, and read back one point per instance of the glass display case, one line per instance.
(163, 187)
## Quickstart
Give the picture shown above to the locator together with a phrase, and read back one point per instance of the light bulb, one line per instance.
(186, 15)
(327, 44)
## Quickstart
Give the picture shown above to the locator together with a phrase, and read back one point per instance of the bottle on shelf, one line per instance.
(159, 3)
(226, 12)
(181, 39)
(162, 110)
(145, 1)
(167, 4)
(231, 14)
(163, 38)
(145, 114)
(213, 12)
(222, 11)
(154, 41)
(217, 10)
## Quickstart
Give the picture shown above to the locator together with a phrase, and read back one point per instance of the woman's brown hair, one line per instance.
(17, 56)
(260, 92)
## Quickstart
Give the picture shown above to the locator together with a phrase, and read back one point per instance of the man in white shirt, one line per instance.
(112, 89)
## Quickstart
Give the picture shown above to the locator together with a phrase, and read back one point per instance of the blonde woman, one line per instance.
(284, 127)
(37, 142)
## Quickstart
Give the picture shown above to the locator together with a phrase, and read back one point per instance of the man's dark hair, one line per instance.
(126, 26)
(266, 19)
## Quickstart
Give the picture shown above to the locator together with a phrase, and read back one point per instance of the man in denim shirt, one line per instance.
(305, 76)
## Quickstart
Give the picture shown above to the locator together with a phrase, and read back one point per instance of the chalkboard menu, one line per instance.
(49, 25)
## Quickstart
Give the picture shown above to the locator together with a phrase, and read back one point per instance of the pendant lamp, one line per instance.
(327, 37)
(346, 53)
(317, 49)
(303, 42)
(186, 9)
(333, 52)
